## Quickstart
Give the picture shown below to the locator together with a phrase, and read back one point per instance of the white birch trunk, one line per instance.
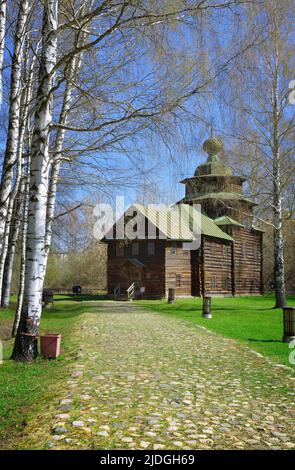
(25, 102)
(3, 4)
(24, 232)
(14, 116)
(71, 73)
(25, 347)
(57, 158)
(279, 260)
(13, 238)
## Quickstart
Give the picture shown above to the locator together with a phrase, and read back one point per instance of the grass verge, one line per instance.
(251, 320)
(28, 388)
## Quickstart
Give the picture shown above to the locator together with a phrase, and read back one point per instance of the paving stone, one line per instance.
(153, 381)
(78, 424)
(59, 430)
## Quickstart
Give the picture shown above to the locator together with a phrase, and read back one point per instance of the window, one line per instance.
(246, 222)
(244, 249)
(135, 248)
(253, 284)
(213, 283)
(119, 249)
(178, 280)
(255, 251)
(244, 283)
(151, 248)
(136, 275)
(174, 249)
(224, 250)
(224, 283)
(212, 248)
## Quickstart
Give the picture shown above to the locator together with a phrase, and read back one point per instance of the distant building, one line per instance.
(229, 259)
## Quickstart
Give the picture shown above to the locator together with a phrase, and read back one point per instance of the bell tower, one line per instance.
(217, 189)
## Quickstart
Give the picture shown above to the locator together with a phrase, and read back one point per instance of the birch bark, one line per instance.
(14, 116)
(25, 347)
(13, 238)
(279, 260)
(3, 4)
(24, 108)
(72, 70)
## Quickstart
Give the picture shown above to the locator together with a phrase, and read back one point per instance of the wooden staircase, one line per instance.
(126, 295)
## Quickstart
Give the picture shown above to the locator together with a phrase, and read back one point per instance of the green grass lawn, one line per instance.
(251, 320)
(27, 388)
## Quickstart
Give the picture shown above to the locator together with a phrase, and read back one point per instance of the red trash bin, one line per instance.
(50, 345)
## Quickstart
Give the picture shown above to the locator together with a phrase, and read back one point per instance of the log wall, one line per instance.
(247, 261)
(178, 269)
(151, 276)
(217, 271)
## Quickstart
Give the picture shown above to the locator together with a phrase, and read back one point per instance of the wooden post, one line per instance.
(289, 324)
(233, 274)
(261, 265)
(171, 296)
(207, 307)
(203, 265)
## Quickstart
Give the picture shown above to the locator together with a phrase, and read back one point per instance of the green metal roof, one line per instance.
(225, 220)
(178, 222)
(221, 196)
(254, 227)
(208, 226)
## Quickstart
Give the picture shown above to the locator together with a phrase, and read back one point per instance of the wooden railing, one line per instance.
(130, 291)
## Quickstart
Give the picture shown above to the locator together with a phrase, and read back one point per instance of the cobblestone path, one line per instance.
(148, 381)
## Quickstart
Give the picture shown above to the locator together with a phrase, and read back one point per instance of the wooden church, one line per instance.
(228, 260)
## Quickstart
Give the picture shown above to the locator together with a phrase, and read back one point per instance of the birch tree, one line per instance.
(3, 4)
(14, 115)
(25, 348)
(263, 123)
(18, 186)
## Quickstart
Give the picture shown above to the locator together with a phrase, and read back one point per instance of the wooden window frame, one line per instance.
(255, 251)
(150, 251)
(178, 280)
(174, 249)
(213, 284)
(120, 249)
(224, 250)
(135, 252)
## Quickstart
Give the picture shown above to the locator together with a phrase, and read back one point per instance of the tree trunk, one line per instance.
(3, 4)
(71, 72)
(21, 287)
(9, 262)
(14, 116)
(25, 348)
(279, 261)
(20, 158)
